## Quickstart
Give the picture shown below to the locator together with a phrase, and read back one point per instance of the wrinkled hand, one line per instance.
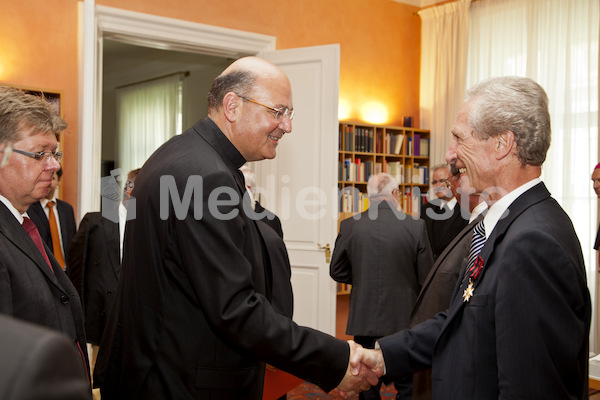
(359, 375)
(370, 359)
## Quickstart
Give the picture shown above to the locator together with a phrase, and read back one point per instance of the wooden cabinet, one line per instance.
(365, 150)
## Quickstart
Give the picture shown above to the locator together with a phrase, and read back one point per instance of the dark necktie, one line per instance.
(34, 234)
(55, 235)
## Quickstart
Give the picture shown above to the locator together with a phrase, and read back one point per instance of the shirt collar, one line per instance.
(45, 201)
(13, 210)
(451, 203)
(498, 209)
(479, 208)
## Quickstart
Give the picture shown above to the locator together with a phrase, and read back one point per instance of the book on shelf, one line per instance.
(399, 140)
(417, 145)
(424, 147)
(353, 201)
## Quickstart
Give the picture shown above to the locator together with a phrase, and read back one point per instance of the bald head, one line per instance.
(241, 77)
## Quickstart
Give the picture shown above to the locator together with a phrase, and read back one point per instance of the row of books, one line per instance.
(354, 201)
(365, 140)
(359, 170)
(360, 140)
(418, 146)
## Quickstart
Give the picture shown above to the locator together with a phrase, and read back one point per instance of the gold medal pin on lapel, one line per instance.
(469, 291)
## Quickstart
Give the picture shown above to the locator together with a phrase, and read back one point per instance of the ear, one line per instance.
(231, 102)
(505, 142)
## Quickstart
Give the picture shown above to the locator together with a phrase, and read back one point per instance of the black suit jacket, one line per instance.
(194, 318)
(38, 363)
(283, 296)
(30, 291)
(68, 227)
(437, 292)
(442, 225)
(268, 218)
(385, 255)
(527, 325)
(94, 266)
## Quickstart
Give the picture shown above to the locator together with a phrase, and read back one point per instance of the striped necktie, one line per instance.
(477, 243)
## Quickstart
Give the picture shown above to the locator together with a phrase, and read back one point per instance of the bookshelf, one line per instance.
(365, 150)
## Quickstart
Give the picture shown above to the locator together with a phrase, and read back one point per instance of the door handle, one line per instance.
(327, 249)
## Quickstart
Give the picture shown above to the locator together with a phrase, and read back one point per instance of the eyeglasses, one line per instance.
(42, 155)
(279, 112)
(442, 181)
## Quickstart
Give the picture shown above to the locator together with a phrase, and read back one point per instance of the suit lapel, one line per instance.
(532, 196)
(17, 235)
(447, 250)
(113, 239)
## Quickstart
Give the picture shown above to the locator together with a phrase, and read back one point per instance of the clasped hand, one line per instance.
(365, 367)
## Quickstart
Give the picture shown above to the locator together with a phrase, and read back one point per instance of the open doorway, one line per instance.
(127, 66)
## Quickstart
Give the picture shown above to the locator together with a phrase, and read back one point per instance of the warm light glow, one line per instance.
(374, 113)
(344, 109)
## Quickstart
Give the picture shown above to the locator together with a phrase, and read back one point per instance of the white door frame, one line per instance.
(98, 22)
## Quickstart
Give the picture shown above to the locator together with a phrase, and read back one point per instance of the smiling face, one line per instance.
(258, 130)
(471, 154)
(25, 180)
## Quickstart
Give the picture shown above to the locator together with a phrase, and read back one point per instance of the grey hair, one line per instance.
(381, 184)
(515, 104)
(440, 166)
(21, 112)
(240, 82)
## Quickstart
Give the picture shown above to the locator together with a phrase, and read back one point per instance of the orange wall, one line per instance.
(379, 41)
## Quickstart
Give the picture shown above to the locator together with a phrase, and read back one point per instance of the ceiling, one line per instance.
(418, 3)
(124, 62)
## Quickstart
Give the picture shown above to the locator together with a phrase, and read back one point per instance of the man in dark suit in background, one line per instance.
(385, 255)
(443, 216)
(193, 315)
(94, 261)
(58, 231)
(33, 286)
(523, 296)
(439, 285)
(268, 217)
(37, 363)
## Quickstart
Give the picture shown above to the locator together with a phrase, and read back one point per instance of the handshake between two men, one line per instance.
(365, 367)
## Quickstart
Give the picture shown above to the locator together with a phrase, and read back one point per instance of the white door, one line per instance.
(300, 184)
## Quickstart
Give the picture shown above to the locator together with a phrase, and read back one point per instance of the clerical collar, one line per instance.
(229, 150)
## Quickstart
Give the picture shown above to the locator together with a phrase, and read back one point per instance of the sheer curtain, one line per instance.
(149, 113)
(444, 39)
(554, 42)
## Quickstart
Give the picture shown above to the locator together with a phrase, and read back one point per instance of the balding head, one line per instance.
(241, 77)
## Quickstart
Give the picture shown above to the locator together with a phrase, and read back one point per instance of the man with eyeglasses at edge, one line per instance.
(33, 286)
(443, 215)
(192, 318)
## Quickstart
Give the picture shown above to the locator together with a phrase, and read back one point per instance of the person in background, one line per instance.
(55, 220)
(262, 213)
(523, 293)
(441, 281)
(194, 318)
(443, 215)
(385, 255)
(33, 286)
(94, 261)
